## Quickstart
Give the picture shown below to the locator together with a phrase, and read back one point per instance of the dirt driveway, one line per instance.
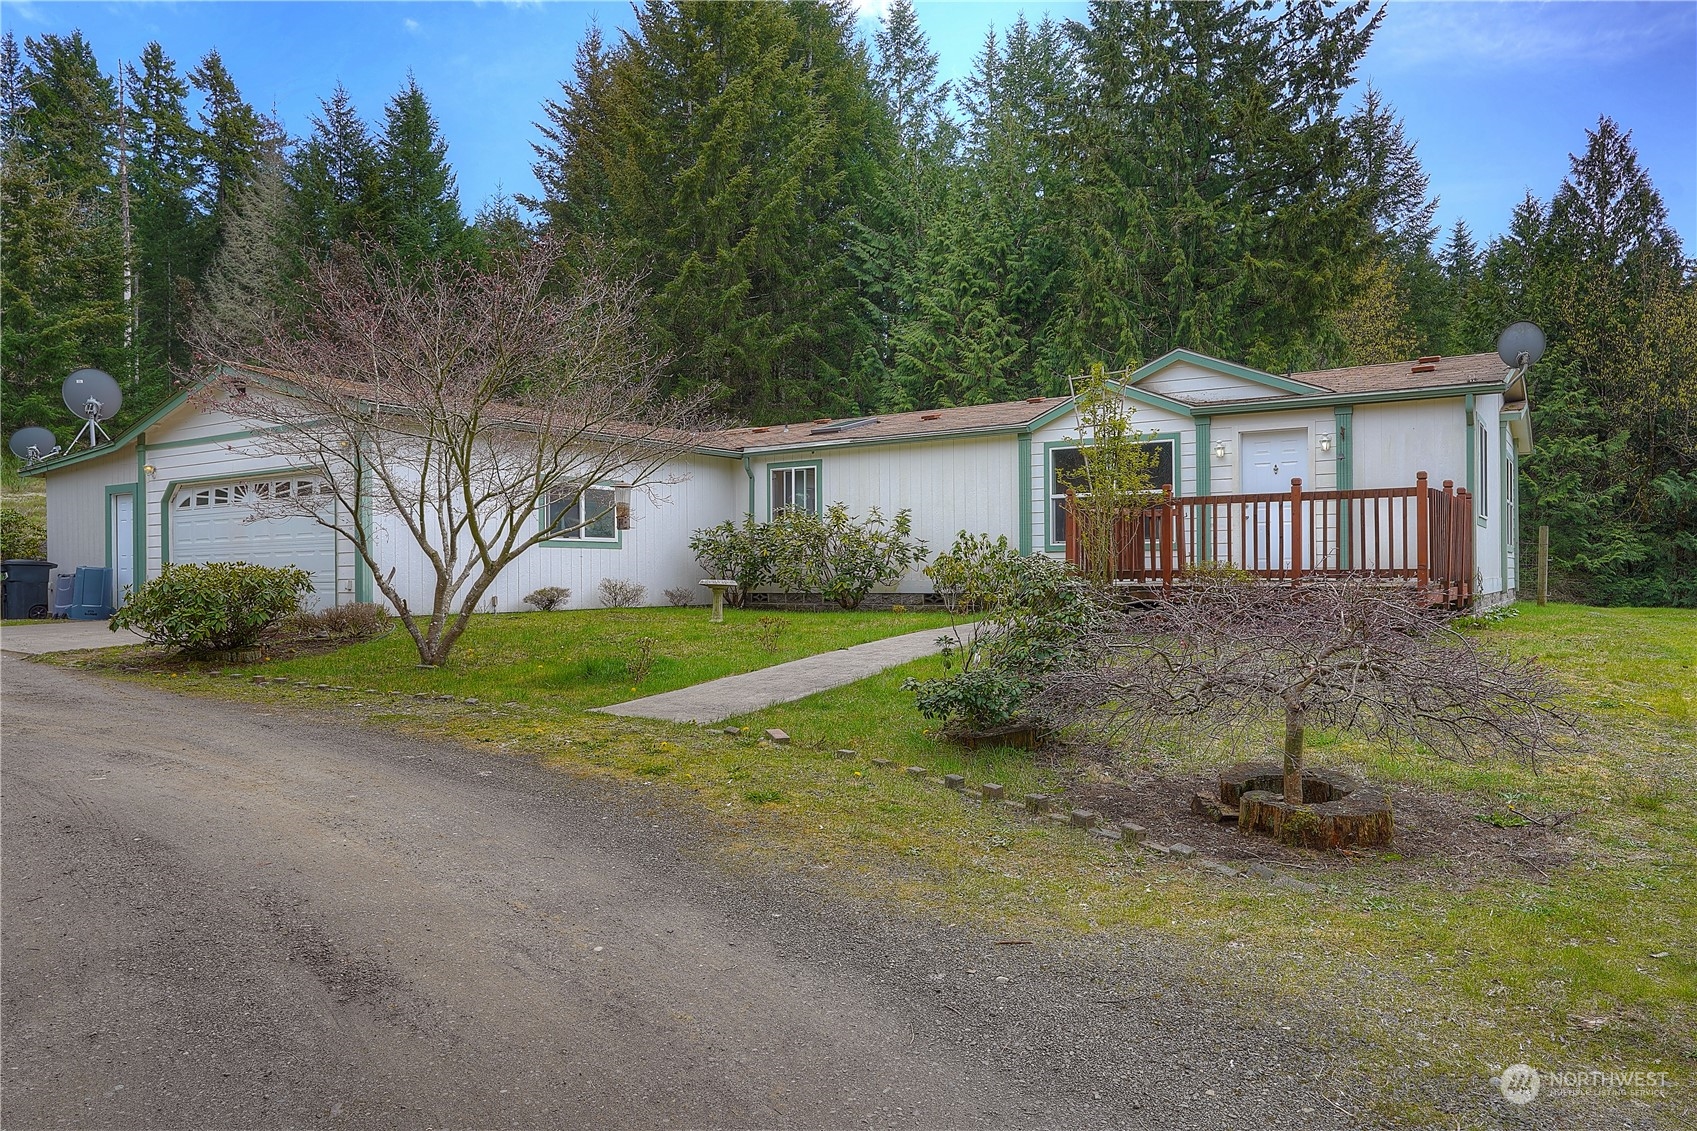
(226, 917)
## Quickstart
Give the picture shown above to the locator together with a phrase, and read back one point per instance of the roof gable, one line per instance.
(1195, 378)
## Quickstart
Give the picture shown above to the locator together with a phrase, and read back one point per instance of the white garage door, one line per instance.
(220, 523)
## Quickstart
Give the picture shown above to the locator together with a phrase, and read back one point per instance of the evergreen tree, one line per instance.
(992, 269)
(420, 204)
(251, 277)
(912, 185)
(61, 261)
(1213, 206)
(165, 174)
(234, 138)
(724, 149)
(1395, 191)
(336, 178)
(1610, 475)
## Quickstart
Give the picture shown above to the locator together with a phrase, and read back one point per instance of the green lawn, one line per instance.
(584, 659)
(1434, 976)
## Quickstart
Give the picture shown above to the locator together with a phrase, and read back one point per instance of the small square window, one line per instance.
(795, 488)
(583, 515)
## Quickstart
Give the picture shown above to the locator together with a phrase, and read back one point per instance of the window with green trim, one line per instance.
(588, 515)
(1066, 470)
(795, 488)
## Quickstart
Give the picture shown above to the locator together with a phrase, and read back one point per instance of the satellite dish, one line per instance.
(1520, 345)
(93, 396)
(94, 387)
(31, 444)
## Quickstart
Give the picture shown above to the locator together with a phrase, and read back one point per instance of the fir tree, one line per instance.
(420, 204)
(336, 178)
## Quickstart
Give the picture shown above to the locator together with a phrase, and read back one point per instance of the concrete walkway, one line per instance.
(62, 636)
(738, 694)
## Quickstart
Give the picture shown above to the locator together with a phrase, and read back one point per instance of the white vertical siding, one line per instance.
(76, 508)
(654, 551)
(1184, 381)
(950, 485)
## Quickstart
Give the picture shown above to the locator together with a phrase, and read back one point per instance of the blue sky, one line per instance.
(1496, 94)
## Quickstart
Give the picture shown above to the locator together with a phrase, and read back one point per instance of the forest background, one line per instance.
(824, 227)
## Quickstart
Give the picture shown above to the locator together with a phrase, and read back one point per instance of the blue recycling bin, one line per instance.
(64, 593)
(91, 593)
(26, 587)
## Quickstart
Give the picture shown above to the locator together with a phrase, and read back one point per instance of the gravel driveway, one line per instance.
(226, 916)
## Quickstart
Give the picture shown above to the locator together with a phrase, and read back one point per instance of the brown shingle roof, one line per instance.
(1004, 416)
(1472, 369)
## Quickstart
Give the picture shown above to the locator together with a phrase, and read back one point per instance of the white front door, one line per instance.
(123, 521)
(1270, 461)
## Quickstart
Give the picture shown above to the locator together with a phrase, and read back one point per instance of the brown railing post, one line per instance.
(1448, 573)
(1422, 532)
(1463, 564)
(1295, 531)
(1167, 545)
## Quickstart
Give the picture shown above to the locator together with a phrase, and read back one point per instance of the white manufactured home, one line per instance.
(1302, 473)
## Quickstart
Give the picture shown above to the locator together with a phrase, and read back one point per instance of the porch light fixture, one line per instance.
(1219, 449)
(1325, 444)
(149, 469)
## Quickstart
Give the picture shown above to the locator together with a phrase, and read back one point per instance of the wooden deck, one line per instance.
(1419, 535)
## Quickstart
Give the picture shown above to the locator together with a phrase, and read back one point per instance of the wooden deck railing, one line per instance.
(1422, 535)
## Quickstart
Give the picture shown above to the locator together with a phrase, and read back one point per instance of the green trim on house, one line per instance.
(1023, 482)
(1469, 406)
(1506, 536)
(1153, 400)
(138, 536)
(1343, 446)
(1224, 368)
(617, 542)
(1204, 455)
(221, 438)
(1343, 474)
(818, 466)
(141, 513)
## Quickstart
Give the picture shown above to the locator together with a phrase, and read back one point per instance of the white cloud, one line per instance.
(411, 25)
(1509, 35)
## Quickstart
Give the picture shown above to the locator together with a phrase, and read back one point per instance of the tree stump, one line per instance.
(1337, 811)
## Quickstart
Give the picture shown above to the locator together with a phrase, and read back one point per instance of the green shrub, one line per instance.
(22, 535)
(835, 555)
(838, 557)
(1043, 617)
(975, 574)
(200, 609)
(734, 553)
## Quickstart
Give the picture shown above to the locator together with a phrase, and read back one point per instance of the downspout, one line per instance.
(748, 470)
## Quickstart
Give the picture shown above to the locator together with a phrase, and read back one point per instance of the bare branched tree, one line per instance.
(461, 402)
(1228, 655)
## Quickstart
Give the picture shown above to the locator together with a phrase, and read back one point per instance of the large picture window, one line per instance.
(1066, 470)
(589, 515)
(795, 488)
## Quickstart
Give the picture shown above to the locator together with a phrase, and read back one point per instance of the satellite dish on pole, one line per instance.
(93, 396)
(33, 444)
(1520, 345)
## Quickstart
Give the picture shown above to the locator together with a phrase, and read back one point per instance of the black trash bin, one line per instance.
(27, 584)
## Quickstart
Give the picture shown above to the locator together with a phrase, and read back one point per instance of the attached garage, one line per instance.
(227, 522)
